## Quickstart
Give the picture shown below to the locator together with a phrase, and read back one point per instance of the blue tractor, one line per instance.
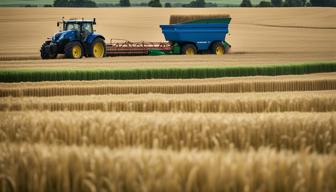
(75, 40)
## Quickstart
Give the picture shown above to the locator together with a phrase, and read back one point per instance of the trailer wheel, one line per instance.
(47, 52)
(97, 48)
(73, 50)
(218, 48)
(189, 49)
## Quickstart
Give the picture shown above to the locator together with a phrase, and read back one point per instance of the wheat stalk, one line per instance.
(58, 168)
(293, 131)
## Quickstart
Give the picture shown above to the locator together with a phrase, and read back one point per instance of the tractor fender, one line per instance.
(92, 37)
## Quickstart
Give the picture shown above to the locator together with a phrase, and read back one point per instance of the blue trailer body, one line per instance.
(201, 35)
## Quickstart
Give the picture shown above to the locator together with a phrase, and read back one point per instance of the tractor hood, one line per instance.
(70, 35)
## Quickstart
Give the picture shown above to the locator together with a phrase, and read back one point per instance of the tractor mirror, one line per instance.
(94, 21)
(57, 24)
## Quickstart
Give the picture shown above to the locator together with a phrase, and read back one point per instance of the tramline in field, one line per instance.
(189, 35)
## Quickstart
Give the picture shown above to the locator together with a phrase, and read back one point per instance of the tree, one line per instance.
(265, 4)
(323, 3)
(196, 3)
(74, 3)
(294, 3)
(125, 3)
(61, 3)
(168, 5)
(155, 3)
(276, 3)
(246, 3)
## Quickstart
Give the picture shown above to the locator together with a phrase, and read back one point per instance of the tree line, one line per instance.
(291, 3)
(202, 3)
(127, 3)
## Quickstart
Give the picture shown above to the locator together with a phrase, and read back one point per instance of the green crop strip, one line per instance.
(19, 75)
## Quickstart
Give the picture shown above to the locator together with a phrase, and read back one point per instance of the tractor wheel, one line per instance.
(73, 50)
(218, 48)
(189, 49)
(97, 48)
(47, 52)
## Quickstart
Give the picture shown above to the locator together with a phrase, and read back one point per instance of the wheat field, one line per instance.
(318, 101)
(295, 131)
(91, 169)
(312, 82)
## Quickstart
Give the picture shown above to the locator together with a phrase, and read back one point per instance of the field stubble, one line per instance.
(277, 35)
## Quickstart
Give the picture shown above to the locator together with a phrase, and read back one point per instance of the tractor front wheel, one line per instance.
(47, 51)
(73, 50)
(189, 49)
(97, 48)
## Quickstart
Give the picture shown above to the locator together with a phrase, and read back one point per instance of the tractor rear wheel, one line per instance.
(97, 48)
(218, 48)
(189, 49)
(47, 52)
(73, 50)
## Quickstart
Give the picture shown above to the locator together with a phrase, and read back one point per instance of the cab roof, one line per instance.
(79, 21)
(76, 20)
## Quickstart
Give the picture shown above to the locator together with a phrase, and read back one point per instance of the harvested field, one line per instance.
(258, 36)
(101, 169)
(319, 101)
(314, 132)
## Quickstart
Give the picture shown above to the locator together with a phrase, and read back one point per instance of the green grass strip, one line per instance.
(21, 75)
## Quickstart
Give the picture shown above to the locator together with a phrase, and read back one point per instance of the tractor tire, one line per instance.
(218, 48)
(73, 50)
(46, 51)
(189, 49)
(98, 48)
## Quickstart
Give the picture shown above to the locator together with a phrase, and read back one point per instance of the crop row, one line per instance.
(293, 131)
(228, 87)
(32, 168)
(156, 82)
(319, 101)
(19, 75)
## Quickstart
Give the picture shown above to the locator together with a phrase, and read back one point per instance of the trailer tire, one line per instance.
(218, 48)
(189, 49)
(46, 51)
(97, 48)
(73, 50)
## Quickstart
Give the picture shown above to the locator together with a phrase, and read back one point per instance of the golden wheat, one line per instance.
(315, 101)
(35, 168)
(102, 88)
(293, 131)
(317, 81)
(175, 19)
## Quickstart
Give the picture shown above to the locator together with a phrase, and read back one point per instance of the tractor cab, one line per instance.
(75, 39)
(75, 24)
(83, 27)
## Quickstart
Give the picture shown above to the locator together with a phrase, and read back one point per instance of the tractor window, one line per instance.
(87, 27)
(72, 26)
